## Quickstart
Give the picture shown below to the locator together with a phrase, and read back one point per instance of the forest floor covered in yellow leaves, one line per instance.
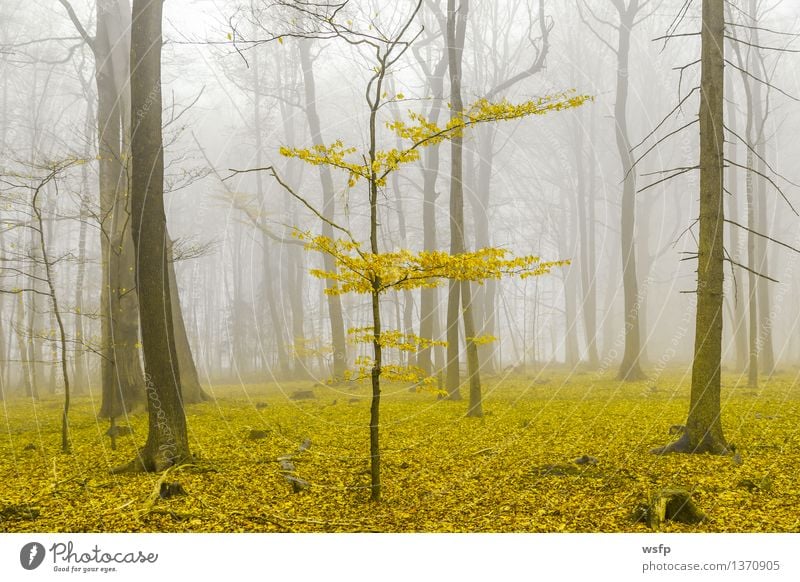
(512, 471)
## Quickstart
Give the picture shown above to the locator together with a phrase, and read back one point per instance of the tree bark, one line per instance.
(703, 432)
(121, 368)
(167, 440)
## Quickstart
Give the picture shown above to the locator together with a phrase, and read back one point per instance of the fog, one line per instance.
(410, 266)
(546, 185)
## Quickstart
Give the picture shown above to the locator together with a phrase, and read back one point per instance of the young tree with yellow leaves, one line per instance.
(372, 272)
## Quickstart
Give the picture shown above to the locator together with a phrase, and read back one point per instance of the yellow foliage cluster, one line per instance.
(422, 132)
(442, 472)
(393, 339)
(363, 272)
(305, 347)
(393, 373)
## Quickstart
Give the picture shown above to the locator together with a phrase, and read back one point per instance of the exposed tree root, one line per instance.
(146, 462)
(670, 504)
(708, 444)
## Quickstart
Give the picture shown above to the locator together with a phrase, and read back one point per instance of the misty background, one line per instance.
(547, 185)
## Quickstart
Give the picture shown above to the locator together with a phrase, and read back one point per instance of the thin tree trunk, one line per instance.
(62, 336)
(586, 217)
(296, 274)
(752, 289)
(191, 390)
(630, 368)
(766, 350)
(738, 325)
(485, 308)
(430, 358)
(328, 210)
(567, 235)
(456, 31)
(81, 377)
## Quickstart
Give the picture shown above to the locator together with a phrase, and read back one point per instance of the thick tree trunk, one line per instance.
(167, 441)
(703, 432)
(121, 369)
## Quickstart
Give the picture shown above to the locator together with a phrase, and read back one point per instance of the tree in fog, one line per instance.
(429, 357)
(459, 297)
(497, 73)
(703, 432)
(167, 440)
(121, 376)
(328, 206)
(121, 372)
(629, 14)
(38, 262)
(755, 75)
(374, 272)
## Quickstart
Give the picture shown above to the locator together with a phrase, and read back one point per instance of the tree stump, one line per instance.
(288, 469)
(256, 434)
(586, 460)
(302, 395)
(670, 504)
